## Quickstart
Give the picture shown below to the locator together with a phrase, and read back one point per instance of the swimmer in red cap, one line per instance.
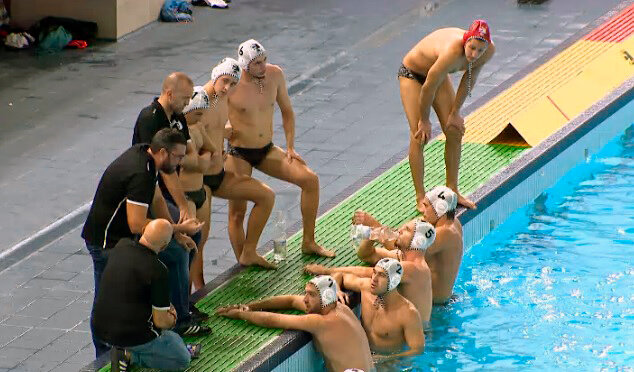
(424, 82)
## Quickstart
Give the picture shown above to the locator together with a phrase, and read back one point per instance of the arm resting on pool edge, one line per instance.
(279, 303)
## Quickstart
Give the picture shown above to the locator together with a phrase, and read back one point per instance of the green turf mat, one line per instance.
(389, 197)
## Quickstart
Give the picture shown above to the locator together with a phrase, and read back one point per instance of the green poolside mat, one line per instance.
(389, 197)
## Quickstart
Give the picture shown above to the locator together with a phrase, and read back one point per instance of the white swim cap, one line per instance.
(327, 289)
(228, 66)
(443, 200)
(394, 271)
(424, 236)
(248, 51)
(199, 100)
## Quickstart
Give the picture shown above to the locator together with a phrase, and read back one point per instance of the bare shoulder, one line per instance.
(410, 312)
(274, 70)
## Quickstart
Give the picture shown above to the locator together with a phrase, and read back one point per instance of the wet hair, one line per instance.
(167, 138)
(451, 214)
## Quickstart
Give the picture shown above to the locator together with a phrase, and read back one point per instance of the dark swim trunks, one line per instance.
(198, 197)
(214, 180)
(253, 156)
(407, 73)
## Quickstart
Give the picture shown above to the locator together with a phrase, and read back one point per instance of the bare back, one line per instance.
(445, 263)
(343, 342)
(251, 111)
(416, 286)
(445, 40)
(214, 119)
(385, 327)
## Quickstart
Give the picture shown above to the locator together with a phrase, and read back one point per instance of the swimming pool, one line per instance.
(552, 287)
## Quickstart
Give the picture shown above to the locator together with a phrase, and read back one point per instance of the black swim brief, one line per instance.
(407, 73)
(198, 197)
(253, 156)
(214, 180)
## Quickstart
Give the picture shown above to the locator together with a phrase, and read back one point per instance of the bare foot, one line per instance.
(256, 260)
(419, 203)
(364, 218)
(314, 248)
(466, 202)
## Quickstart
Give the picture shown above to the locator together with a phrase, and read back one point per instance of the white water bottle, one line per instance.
(279, 236)
(359, 233)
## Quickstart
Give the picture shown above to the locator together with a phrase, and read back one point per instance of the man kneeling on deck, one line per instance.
(413, 240)
(336, 331)
(389, 319)
(133, 312)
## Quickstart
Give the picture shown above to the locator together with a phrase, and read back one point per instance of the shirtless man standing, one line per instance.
(336, 331)
(251, 107)
(424, 82)
(389, 319)
(414, 239)
(229, 185)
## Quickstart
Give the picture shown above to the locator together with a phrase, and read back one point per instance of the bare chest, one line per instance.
(253, 97)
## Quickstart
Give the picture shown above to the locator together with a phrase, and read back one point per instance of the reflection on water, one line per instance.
(553, 287)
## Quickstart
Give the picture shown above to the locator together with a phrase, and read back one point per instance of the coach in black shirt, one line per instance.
(132, 311)
(166, 111)
(119, 210)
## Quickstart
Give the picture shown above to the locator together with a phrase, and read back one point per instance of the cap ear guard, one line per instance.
(394, 271)
(327, 289)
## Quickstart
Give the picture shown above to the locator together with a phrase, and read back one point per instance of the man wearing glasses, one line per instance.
(126, 192)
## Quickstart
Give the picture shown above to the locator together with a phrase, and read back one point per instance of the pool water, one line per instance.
(552, 288)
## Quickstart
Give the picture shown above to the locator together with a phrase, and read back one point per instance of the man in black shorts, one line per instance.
(251, 107)
(133, 312)
(126, 192)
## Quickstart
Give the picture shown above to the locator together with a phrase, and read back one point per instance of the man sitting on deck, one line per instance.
(389, 319)
(336, 331)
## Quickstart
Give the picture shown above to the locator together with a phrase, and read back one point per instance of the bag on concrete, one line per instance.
(176, 11)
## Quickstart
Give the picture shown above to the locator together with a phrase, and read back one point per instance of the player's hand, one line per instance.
(184, 215)
(292, 155)
(423, 132)
(185, 241)
(456, 121)
(342, 297)
(190, 226)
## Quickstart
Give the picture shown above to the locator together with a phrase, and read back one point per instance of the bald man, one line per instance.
(133, 312)
(166, 111)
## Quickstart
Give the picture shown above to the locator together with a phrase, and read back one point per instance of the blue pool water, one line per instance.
(552, 288)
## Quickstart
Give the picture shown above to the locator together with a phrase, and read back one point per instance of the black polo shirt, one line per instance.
(133, 283)
(132, 177)
(152, 119)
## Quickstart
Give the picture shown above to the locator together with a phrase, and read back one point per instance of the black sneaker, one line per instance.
(193, 329)
(197, 315)
(119, 360)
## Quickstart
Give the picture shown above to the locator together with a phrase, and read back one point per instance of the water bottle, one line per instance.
(279, 236)
(359, 233)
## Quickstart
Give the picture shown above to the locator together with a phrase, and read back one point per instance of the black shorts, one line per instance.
(407, 73)
(214, 180)
(198, 197)
(253, 156)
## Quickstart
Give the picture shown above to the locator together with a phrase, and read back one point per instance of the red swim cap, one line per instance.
(480, 30)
